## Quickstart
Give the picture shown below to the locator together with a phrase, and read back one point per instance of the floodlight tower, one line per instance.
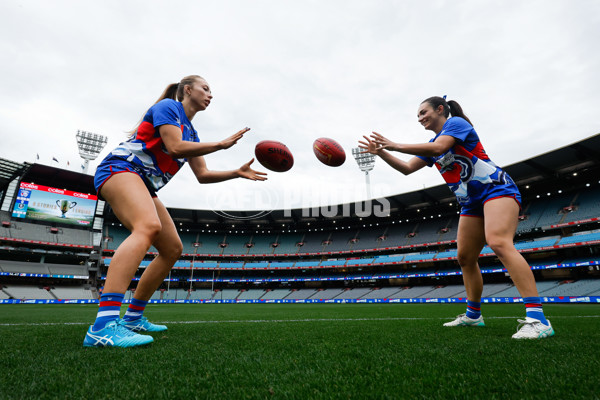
(90, 145)
(366, 162)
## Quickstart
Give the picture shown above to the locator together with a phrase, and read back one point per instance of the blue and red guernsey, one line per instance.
(467, 169)
(146, 150)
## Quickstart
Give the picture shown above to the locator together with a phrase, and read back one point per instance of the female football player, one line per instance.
(490, 204)
(128, 179)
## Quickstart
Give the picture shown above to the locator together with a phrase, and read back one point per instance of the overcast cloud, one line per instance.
(525, 72)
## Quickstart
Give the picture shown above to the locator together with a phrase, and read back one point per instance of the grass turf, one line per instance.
(302, 351)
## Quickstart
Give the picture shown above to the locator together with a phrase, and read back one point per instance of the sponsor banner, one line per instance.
(82, 246)
(45, 301)
(579, 222)
(103, 278)
(499, 300)
(26, 275)
(491, 270)
(53, 205)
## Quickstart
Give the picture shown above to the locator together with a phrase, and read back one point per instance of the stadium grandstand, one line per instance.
(57, 240)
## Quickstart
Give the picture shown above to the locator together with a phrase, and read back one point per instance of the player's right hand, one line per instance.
(382, 142)
(369, 146)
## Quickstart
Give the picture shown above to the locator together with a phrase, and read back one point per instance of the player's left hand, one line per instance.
(248, 173)
(233, 139)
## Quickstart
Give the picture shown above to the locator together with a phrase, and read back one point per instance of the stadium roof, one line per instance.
(9, 170)
(566, 168)
(59, 178)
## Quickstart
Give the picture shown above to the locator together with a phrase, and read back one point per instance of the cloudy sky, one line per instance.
(525, 72)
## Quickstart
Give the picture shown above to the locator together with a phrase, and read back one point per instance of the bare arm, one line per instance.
(406, 167)
(432, 149)
(204, 175)
(178, 148)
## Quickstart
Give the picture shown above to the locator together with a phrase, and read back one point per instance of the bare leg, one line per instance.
(169, 248)
(133, 206)
(501, 220)
(470, 240)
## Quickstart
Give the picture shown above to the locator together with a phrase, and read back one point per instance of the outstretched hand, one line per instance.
(376, 143)
(233, 139)
(382, 142)
(248, 173)
(369, 146)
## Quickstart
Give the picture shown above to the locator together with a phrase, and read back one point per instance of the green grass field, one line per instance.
(302, 351)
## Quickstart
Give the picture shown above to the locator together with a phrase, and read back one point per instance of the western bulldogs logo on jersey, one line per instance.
(445, 162)
(455, 168)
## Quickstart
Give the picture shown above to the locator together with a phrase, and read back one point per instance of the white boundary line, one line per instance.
(262, 321)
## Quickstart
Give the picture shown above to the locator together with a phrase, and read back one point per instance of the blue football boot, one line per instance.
(143, 325)
(115, 334)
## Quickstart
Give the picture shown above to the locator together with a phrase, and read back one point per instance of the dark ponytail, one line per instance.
(451, 107)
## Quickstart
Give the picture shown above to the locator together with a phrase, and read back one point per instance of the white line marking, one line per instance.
(261, 321)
